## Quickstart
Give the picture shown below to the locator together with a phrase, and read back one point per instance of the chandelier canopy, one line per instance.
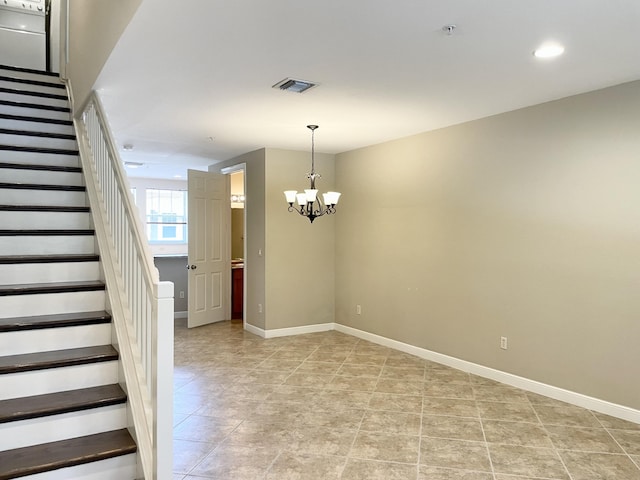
(308, 203)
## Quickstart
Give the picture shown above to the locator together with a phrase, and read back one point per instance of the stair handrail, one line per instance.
(141, 305)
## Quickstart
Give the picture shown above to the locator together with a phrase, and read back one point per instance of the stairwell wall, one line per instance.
(94, 30)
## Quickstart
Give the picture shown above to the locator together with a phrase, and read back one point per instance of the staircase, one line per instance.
(63, 414)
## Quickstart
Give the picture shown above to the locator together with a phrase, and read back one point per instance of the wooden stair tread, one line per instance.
(37, 106)
(54, 258)
(39, 186)
(35, 133)
(57, 358)
(33, 93)
(55, 151)
(29, 81)
(46, 232)
(50, 287)
(27, 118)
(65, 453)
(38, 322)
(44, 208)
(29, 70)
(48, 168)
(37, 406)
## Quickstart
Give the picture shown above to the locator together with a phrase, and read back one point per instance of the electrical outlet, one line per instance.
(503, 343)
(181, 294)
(259, 308)
(358, 310)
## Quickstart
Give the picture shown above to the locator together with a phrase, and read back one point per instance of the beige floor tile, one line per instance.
(204, 429)
(187, 454)
(527, 461)
(459, 454)
(260, 434)
(357, 469)
(447, 375)
(449, 407)
(387, 448)
(404, 360)
(264, 377)
(399, 387)
(397, 403)
(228, 408)
(187, 403)
(305, 467)
(279, 365)
(628, 439)
(291, 394)
(397, 423)
(178, 418)
(458, 428)
(360, 370)
(305, 379)
(411, 374)
(327, 368)
(599, 466)
(237, 462)
(366, 359)
(324, 356)
(516, 433)
(333, 418)
(616, 423)
(340, 399)
(582, 439)
(320, 441)
(508, 412)
(446, 390)
(437, 473)
(365, 384)
(500, 393)
(566, 415)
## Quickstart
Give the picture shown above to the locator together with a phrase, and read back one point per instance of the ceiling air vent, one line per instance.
(293, 85)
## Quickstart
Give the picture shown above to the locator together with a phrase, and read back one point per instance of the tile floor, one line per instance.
(330, 406)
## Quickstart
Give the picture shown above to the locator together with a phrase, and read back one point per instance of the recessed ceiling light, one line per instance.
(128, 147)
(133, 164)
(548, 50)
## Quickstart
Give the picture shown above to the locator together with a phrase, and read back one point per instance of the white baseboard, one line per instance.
(286, 332)
(557, 393)
(177, 315)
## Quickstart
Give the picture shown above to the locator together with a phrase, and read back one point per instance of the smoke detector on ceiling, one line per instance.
(293, 85)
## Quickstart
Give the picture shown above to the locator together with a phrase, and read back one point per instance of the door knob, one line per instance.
(192, 267)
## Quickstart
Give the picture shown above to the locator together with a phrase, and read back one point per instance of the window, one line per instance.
(166, 216)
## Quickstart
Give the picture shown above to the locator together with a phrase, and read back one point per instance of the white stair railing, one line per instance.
(141, 305)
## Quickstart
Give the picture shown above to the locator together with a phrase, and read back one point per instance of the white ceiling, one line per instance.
(189, 83)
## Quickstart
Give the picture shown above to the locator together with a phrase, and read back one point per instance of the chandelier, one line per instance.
(308, 203)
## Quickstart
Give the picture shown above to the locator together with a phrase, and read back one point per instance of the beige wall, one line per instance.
(524, 225)
(299, 260)
(94, 27)
(254, 264)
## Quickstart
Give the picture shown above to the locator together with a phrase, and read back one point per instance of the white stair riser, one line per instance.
(35, 126)
(23, 98)
(42, 142)
(31, 158)
(51, 303)
(50, 339)
(40, 382)
(46, 177)
(32, 88)
(60, 427)
(31, 76)
(120, 468)
(14, 196)
(34, 112)
(43, 245)
(44, 220)
(48, 272)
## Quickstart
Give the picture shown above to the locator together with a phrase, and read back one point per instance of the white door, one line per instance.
(209, 248)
